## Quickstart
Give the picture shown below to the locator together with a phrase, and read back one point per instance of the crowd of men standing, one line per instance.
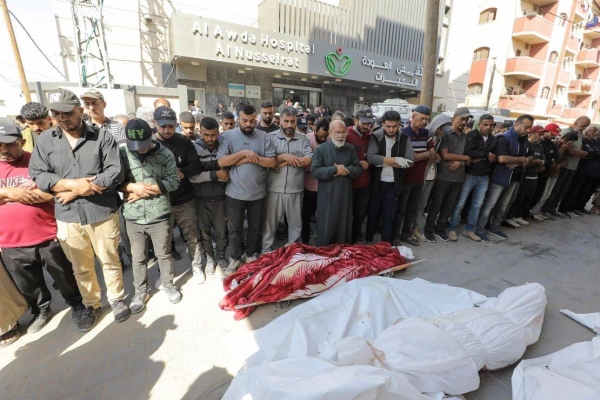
(116, 188)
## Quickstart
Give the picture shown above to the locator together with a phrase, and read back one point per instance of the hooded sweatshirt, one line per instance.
(436, 122)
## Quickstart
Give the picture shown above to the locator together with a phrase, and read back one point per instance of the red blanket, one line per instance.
(300, 271)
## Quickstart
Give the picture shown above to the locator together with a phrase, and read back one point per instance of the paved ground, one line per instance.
(191, 350)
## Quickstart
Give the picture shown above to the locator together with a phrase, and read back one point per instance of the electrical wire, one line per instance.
(36, 45)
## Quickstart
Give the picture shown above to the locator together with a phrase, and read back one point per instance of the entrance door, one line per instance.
(197, 95)
(305, 97)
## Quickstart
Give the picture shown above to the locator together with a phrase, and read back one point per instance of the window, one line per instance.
(488, 15)
(545, 92)
(594, 104)
(481, 53)
(563, 19)
(518, 53)
(553, 57)
(474, 89)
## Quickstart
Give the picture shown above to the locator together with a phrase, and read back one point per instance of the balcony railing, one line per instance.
(582, 87)
(532, 29)
(524, 68)
(588, 58)
(574, 113)
(517, 103)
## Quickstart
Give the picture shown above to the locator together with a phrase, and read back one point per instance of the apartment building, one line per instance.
(539, 57)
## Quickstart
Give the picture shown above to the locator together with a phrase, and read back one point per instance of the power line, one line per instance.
(36, 45)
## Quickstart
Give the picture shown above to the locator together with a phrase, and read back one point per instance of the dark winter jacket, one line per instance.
(478, 148)
(376, 152)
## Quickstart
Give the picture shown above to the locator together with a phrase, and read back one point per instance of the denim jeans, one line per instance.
(491, 197)
(507, 197)
(479, 186)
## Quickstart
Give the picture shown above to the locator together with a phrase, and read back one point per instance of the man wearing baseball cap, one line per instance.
(359, 136)
(28, 234)
(182, 199)
(545, 184)
(150, 174)
(81, 166)
(302, 126)
(94, 106)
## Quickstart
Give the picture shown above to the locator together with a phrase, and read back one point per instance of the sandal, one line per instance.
(10, 337)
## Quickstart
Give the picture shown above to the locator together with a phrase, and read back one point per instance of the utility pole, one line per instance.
(430, 51)
(489, 95)
(17, 54)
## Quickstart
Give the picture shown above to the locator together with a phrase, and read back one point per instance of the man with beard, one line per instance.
(511, 152)
(390, 152)
(81, 166)
(414, 176)
(250, 153)
(183, 211)
(94, 105)
(309, 204)
(37, 118)
(266, 113)
(359, 136)
(480, 146)
(285, 182)
(187, 122)
(209, 191)
(450, 177)
(535, 155)
(335, 164)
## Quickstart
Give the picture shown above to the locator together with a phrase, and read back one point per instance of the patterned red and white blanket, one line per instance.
(301, 271)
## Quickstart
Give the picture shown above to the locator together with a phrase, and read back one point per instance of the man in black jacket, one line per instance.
(480, 146)
(182, 200)
(545, 184)
(209, 190)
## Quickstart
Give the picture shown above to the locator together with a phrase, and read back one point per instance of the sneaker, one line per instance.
(138, 303)
(223, 264)
(199, 277)
(210, 265)
(471, 235)
(252, 258)
(452, 236)
(483, 237)
(40, 320)
(120, 310)
(232, 267)
(584, 212)
(498, 234)
(442, 236)
(513, 223)
(521, 221)
(558, 214)
(576, 213)
(547, 216)
(175, 254)
(173, 294)
(77, 312)
(88, 320)
(430, 237)
(417, 233)
(538, 218)
(158, 283)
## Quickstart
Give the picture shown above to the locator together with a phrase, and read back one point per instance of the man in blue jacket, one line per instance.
(511, 151)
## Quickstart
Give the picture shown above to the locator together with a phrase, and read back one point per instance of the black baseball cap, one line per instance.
(421, 109)
(365, 115)
(138, 134)
(9, 131)
(302, 123)
(63, 100)
(164, 115)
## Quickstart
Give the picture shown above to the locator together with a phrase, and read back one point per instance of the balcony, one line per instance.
(588, 58)
(581, 87)
(517, 103)
(532, 29)
(524, 68)
(574, 113)
(572, 45)
(564, 78)
(592, 29)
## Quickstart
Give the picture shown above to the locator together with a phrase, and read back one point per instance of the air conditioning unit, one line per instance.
(442, 108)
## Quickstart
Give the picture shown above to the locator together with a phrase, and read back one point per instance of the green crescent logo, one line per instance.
(338, 65)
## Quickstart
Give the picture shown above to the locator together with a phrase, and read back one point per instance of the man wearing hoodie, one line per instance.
(450, 178)
(209, 191)
(439, 125)
(537, 159)
(511, 152)
(150, 174)
(480, 144)
(359, 136)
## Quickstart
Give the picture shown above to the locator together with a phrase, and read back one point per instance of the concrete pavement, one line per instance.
(192, 349)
